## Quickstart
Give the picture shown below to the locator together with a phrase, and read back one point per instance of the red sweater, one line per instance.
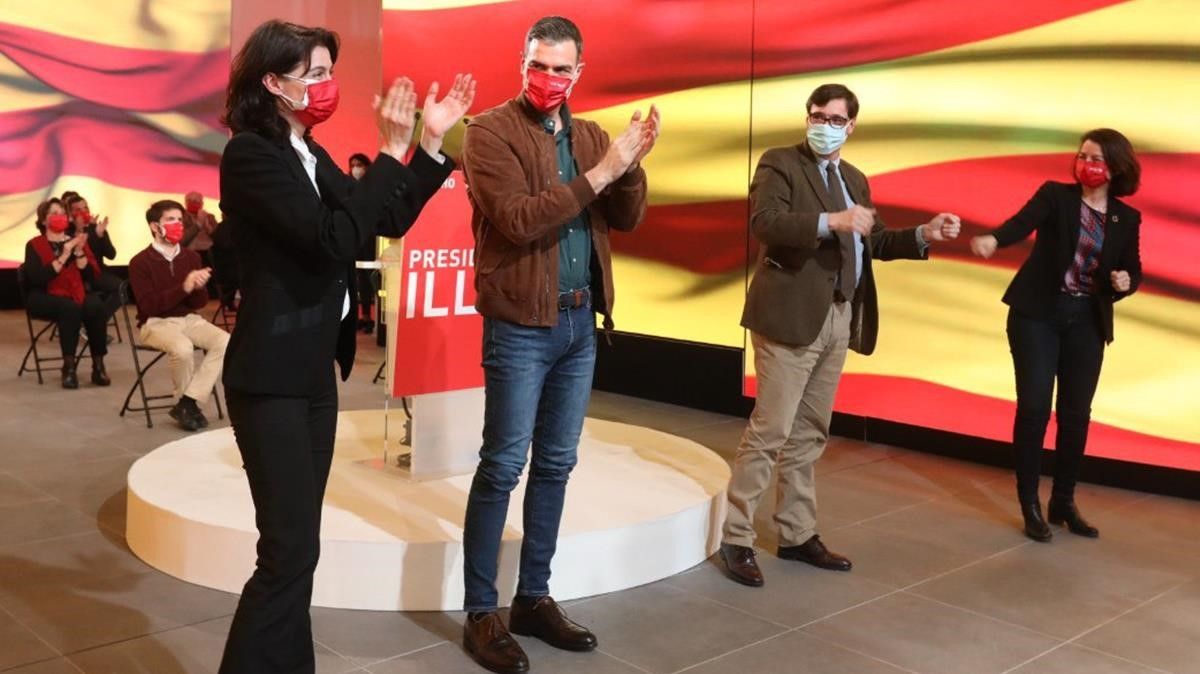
(158, 284)
(69, 282)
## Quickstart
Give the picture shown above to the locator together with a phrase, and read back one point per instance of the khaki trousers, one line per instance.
(178, 337)
(788, 430)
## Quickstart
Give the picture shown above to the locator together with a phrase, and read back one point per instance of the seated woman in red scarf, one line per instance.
(60, 268)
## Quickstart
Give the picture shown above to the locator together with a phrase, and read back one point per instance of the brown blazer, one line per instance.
(793, 284)
(518, 205)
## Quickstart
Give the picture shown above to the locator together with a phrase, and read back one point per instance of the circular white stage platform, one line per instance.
(641, 505)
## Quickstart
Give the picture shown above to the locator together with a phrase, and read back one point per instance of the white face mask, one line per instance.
(358, 172)
(824, 139)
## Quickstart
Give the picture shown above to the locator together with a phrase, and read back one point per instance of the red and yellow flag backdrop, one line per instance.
(117, 101)
(966, 107)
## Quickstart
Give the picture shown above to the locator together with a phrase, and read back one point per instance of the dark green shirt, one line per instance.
(575, 236)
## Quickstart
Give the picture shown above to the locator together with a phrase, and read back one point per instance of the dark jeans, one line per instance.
(1068, 347)
(287, 447)
(537, 382)
(92, 315)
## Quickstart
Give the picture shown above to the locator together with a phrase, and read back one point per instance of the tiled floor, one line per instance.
(943, 579)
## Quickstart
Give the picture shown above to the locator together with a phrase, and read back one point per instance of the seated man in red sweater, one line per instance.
(168, 283)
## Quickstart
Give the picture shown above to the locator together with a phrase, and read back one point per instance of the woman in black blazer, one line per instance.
(297, 222)
(1060, 313)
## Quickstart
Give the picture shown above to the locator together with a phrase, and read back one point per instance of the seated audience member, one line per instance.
(198, 226)
(58, 268)
(367, 286)
(106, 283)
(168, 284)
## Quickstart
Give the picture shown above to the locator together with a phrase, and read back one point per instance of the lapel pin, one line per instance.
(1116, 219)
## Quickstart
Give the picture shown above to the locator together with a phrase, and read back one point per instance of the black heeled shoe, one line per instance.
(1035, 527)
(69, 378)
(1066, 512)
(99, 374)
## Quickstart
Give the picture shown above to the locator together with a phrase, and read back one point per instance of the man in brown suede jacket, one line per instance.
(545, 190)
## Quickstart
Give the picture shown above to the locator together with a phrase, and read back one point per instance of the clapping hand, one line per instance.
(650, 130)
(438, 117)
(197, 278)
(101, 225)
(395, 115)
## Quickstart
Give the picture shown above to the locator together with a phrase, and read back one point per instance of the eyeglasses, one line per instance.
(836, 121)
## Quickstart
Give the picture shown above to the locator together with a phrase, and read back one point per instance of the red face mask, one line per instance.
(84, 214)
(1091, 173)
(546, 92)
(319, 103)
(194, 207)
(172, 232)
(58, 222)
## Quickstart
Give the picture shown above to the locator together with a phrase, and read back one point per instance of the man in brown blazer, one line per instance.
(812, 297)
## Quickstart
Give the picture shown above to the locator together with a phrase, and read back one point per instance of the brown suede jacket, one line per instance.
(518, 205)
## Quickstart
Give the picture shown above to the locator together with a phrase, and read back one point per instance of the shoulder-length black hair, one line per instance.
(274, 47)
(1125, 173)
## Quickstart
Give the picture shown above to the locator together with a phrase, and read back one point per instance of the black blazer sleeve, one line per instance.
(102, 246)
(1036, 212)
(255, 174)
(1131, 259)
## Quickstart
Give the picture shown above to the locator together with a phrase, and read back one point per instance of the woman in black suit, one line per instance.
(297, 222)
(1060, 313)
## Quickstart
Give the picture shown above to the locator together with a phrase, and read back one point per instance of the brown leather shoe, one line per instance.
(741, 565)
(543, 618)
(487, 641)
(814, 552)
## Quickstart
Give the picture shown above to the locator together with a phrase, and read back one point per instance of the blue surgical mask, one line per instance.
(824, 139)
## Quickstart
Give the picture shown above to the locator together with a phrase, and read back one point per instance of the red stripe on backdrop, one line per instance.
(986, 192)
(921, 403)
(121, 77)
(38, 146)
(635, 49)
(705, 237)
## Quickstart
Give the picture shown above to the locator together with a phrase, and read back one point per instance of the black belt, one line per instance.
(574, 299)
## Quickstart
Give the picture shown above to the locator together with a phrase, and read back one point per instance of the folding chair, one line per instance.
(226, 318)
(139, 384)
(51, 326)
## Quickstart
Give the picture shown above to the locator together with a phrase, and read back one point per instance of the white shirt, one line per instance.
(309, 160)
(169, 252)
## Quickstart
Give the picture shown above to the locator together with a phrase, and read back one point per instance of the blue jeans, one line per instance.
(537, 382)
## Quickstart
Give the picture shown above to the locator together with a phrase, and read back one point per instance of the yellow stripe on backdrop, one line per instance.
(167, 25)
(125, 208)
(942, 321)
(991, 98)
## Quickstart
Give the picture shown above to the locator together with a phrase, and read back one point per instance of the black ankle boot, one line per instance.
(1035, 527)
(69, 380)
(1064, 511)
(99, 375)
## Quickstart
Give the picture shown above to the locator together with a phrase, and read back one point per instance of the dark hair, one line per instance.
(828, 92)
(274, 47)
(554, 29)
(68, 194)
(43, 210)
(1123, 168)
(360, 158)
(156, 210)
(69, 202)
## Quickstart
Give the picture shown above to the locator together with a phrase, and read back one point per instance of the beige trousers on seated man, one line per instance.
(788, 429)
(178, 337)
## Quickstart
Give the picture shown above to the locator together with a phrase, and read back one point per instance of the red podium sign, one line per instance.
(438, 334)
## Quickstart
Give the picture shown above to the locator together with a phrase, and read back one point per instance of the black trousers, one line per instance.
(107, 285)
(287, 448)
(92, 315)
(368, 288)
(1067, 349)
